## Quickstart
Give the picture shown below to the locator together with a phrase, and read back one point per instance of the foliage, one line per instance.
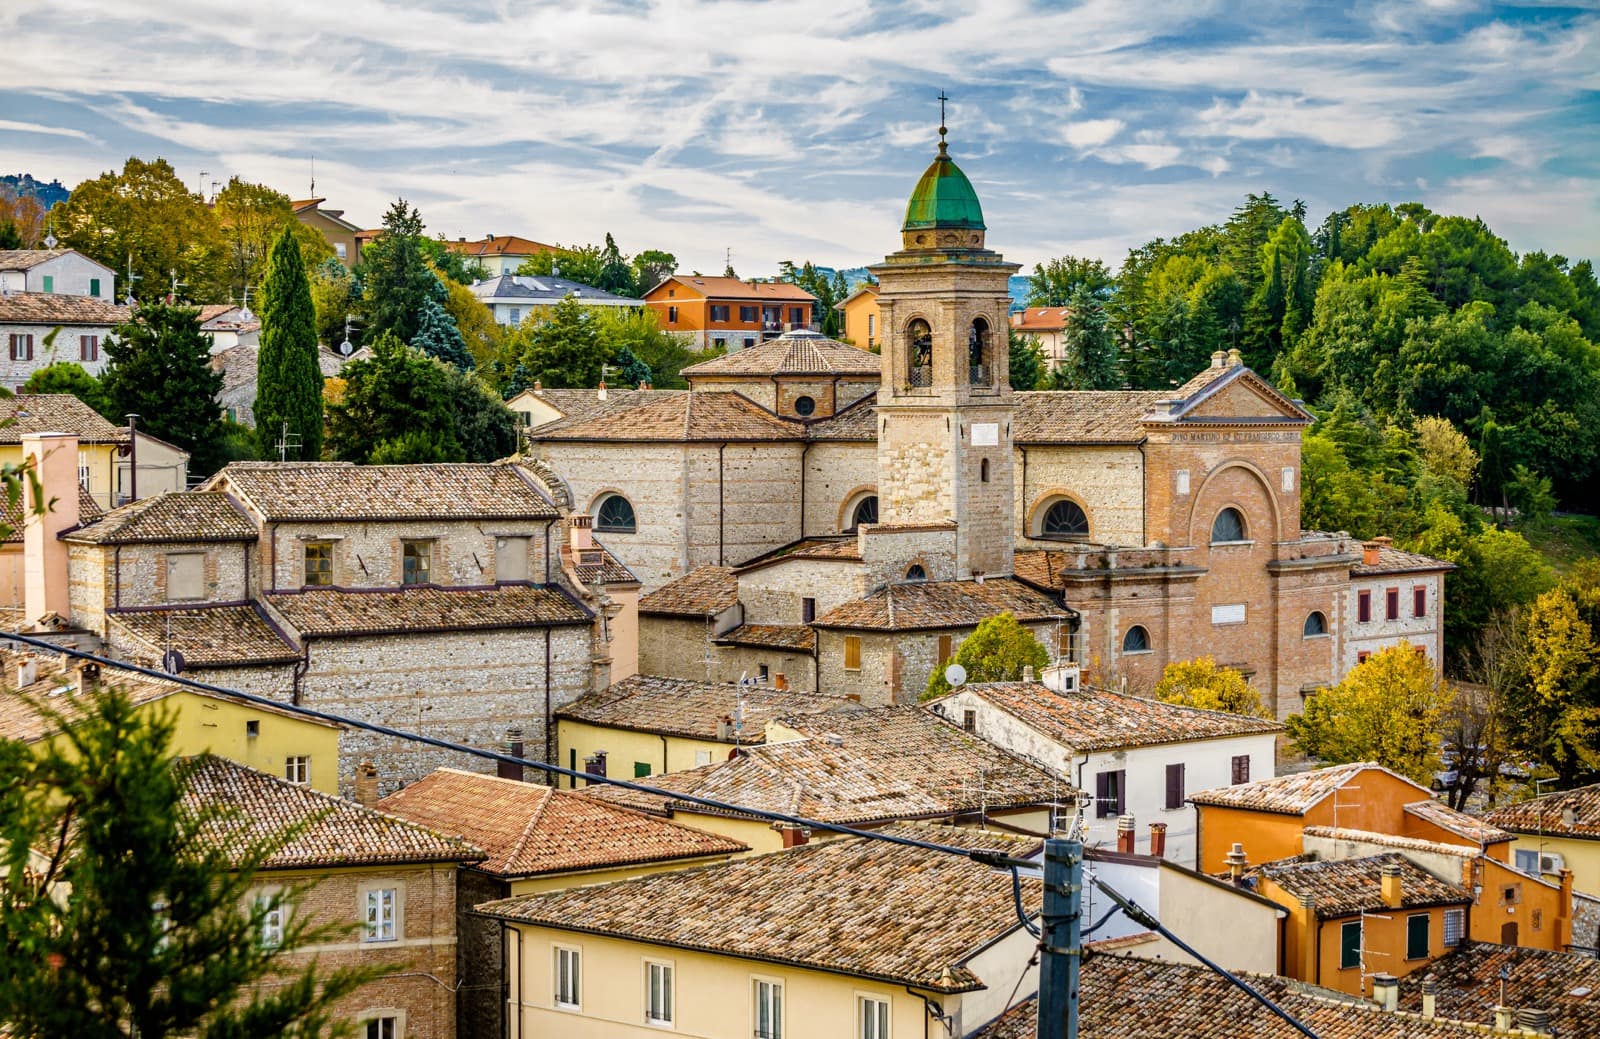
(288, 373)
(456, 268)
(252, 218)
(68, 377)
(1055, 282)
(159, 368)
(1026, 361)
(484, 427)
(605, 267)
(480, 333)
(437, 334)
(580, 263)
(336, 296)
(124, 915)
(1445, 452)
(563, 349)
(631, 371)
(145, 215)
(650, 268)
(1090, 361)
(828, 287)
(396, 277)
(1554, 713)
(639, 333)
(1201, 683)
(996, 651)
(21, 217)
(1387, 709)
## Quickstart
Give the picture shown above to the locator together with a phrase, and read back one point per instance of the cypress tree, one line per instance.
(288, 377)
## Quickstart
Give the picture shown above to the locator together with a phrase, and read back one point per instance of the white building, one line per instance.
(39, 329)
(1394, 597)
(63, 271)
(513, 298)
(1137, 757)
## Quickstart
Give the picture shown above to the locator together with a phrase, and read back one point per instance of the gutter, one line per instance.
(721, 509)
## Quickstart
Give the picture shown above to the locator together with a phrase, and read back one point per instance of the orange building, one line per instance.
(1047, 325)
(861, 318)
(499, 254)
(729, 313)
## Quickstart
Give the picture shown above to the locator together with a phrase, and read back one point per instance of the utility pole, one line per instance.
(1062, 941)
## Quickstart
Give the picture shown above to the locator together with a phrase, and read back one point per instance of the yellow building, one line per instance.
(647, 725)
(850, 938)
(302, 750)
(1560, 830)
(860, 310)
(104, 457)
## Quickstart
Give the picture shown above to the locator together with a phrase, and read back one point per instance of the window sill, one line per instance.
(1324, 635)
(1233, 544)
(571, 1008)
(1137, 652)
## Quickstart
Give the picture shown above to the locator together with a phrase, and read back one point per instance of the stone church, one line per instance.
(817, 516)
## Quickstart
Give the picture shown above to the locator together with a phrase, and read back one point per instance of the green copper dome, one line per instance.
(943, 198)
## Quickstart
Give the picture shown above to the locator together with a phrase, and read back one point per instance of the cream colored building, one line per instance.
(1560, 830)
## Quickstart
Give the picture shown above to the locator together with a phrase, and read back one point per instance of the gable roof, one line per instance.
(1293, 794)
(28, 259)
(703, 591)
(1472, 828)
(172, 516)
(25, 413)
(1395, 561)
(736, 288)
(1082, 416)
(1184, 403)
(419, 608)
(1560, 813)
(867, 289)
(798, 352)
(683, 707)
(855, 421)
(544, 288)
(342, 491)
(14, 514)
(1102, 719)
(936, 605)
(529, 829)
(1469, 981)
(1345, 887)
(220, 635)
(586, 404)
(53, 308)
(500, 245)
(865, 908)
(1040, 319)
(702, 415)
(256, 806)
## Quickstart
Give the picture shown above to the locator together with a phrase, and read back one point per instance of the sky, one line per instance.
(795, 129)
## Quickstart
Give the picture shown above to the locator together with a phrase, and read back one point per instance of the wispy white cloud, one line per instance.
(1091, 132)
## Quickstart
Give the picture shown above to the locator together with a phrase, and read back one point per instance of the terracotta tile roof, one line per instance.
(500, 245)
(227, 635)
(682, 707)
(56, 413)
(1102, 719)
(1186, 398)
(341, 491)
(861, 766)
(12, 514)
(1565, 813)
(1389, 840)
(844, 548)
(530, 830)
(701, 415)
(1128, 997)
(173, 516)
(586, 404)
(27, 259)
(337, 832)
(735, 288)
(1292, 794)
(1082, 416)
(1394, 561)
(1041, 319)
(928, 605)
(356, 612)
(1345, 887)
(1472, 828)
(50, 308)
(857, 421)
(798, 352)
(598, 566)
(799, 638)
(1565, 984)
(860, 907)
(703, 590)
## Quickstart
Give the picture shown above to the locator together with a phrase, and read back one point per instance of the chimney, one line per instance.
(367, 783)
(1061, 678)
(1430, 996)
(1158, 840)
(27, 670)
(538, 385)
(54, 460)
(1219, 359)
(1236, 862)
(1504, 1019)
(86, 678)
(1125, 834)
(489, 237)
(1389, 880)
(1386, 991)
(643, 385)
(795, 836)
(780, 681)
(1235, 358)
(600, 394)
(724, 728)
(1369, 553)
(580, 532)
(1533, 1020)
(1027, 672)
(505, 769)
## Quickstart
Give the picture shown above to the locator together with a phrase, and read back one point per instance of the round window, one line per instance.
(804, 406)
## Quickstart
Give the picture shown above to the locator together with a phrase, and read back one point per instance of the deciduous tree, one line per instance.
(996, 651)
(252, 218)
(1201, 683)
(1388, 710)
(1055, 282)
(159, 368)
(1555, 713)
(67, 377)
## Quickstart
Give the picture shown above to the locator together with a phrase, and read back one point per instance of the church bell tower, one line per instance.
(945, 405)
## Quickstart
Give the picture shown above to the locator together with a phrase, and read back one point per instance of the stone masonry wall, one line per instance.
(836, 474)
(1106, 482)
(368, 555)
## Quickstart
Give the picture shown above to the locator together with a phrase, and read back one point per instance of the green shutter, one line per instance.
(1417, 937)
(1350, 945)
(641, 769)
(94, 286)
(49, 283)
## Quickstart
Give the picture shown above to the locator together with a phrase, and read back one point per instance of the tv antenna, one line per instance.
(244, 306)
(172, 297)
(287, 440)
(132, 277)
(347, 348)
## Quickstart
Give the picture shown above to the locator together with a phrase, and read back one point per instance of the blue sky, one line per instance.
(796, 128)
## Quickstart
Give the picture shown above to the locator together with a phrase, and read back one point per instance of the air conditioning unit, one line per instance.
(1551, 862)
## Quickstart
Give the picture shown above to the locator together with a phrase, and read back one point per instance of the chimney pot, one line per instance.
(1236, 862)
(601, 392)
(1235, 358)
(1533, 1020)
(1430, 996)
(1158, 840)
(780, 681)
(1389, 881)
(86, 677)
(580, 532)
(1386, 991)
(1125, 834)
(1369, 553)
(1219, 359)
(367, 783)
(1027, 672)
(27, 670)
(1504, 1018)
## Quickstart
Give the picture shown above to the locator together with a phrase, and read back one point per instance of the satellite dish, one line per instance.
(346, 348)
(956, 675)
(172, 662)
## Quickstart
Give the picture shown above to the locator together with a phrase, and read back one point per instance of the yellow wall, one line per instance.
(1582, 858)
(100, 458)
(624, 747)
(855, 320)
(712, 992)
(585, 878)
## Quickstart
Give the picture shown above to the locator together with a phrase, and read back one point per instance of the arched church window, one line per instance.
(866, 511)
(614, 515)
(979, 354)
(919, 359)
(1316, 624)
(1137, 640)
(1228, 526)
(916, 573)
(804, 406)
(1064, 518)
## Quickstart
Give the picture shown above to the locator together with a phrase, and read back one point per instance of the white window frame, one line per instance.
(879, 1025)
(396, 1026)
(573, 955)
(297, 769)
(273, 920)
(668, 969)
(376, 925)
(763, 989)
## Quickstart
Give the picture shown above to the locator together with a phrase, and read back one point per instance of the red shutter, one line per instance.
(1175, 786)
(1419, 601)
(1364, 606)
(1391, 604)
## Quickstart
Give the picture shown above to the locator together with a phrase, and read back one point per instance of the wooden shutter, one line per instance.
(1391, 604)
(852, 652)
(1419, 601)
(1122, 790)
(1102, 794)
(1175, 786)
(944, 650)
(1364, 606)
(1241, 768)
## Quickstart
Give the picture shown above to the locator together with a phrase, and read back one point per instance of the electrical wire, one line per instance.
(1016, 896)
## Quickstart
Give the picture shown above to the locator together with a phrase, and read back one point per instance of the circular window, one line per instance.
(1316, 624)
(916, 573)
(1064, 519)
(1228, 526)
(1137, 640)
(866, 511)
(615, 515)
(804, 406)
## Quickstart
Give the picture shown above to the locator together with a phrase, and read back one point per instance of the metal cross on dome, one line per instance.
(943, 97)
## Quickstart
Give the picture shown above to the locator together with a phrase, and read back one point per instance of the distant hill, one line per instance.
(22, 184)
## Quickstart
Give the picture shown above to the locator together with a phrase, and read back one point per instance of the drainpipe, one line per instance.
(1026, 521)
(116, 577)
(547, 711)
(133, 457)
(664, 766)
(720, 509)
(546, 551)
(803, 452)
(1144, 475)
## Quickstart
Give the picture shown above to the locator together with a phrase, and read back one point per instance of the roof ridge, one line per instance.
(529, 829)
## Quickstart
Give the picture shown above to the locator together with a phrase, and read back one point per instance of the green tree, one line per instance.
(562, 350)
(453, 267)
(1055, 282)
(396, 278)
(159, 368)
(336, 295)
(67, 377)
(124, 913)
(996, 651)
(1201, 683)
(484, 427)
(1388, 709)
(580, 263)
(252, 218)
(650, 268)
(398, 395)
(616, 274)
(437, 334)
(1091, 361)
(1026, 362)
(479, 331)
(639, 332)
(1554, 714)
(630, 370)
(288, 373)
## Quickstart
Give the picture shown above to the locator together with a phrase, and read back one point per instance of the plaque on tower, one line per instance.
(985, 434)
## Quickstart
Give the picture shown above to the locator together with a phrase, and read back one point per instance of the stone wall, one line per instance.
(13, 374)
(1106, 482)
(836, 474)
(680, 648)
(895, 668)
(368, 555)
(480, 1010)
(1379, 633)
(100, 577)
(773, 594)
